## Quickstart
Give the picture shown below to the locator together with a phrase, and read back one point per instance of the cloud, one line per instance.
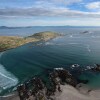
(66, 2)
(48, 12)
(49, 8)
(60, 1)
(93, 6)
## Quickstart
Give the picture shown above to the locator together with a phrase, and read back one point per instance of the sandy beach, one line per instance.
(68, 93)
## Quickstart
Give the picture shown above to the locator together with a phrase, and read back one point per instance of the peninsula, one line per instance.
(9, 42)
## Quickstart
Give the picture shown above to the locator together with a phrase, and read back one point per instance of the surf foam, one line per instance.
(7, 79)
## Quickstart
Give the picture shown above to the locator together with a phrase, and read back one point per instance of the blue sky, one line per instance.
(49, 12)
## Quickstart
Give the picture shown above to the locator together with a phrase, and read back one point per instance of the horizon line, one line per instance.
(50, 26)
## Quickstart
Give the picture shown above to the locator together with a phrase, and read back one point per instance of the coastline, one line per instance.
(36, 40)
(29, 42)
(11, 42)
(68, 93)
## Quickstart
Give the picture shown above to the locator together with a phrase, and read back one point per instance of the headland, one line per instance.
(9, 42)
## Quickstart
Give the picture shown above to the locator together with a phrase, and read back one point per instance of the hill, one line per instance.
(8, 42)
(44, 35)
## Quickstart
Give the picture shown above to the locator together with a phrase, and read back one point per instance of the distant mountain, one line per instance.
(67, 26)
(3, 27)
(6, 27)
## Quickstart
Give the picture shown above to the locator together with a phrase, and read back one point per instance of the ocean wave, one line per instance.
(88, 48)
(7, 79)
(73, 43)
(56, 44)
(95, 36)
(50, 43)
(71, 36)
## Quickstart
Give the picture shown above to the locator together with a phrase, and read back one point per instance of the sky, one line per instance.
(17, 13)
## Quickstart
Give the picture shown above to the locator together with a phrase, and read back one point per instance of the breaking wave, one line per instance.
(7, 79)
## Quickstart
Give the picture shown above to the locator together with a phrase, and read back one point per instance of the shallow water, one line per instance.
(7, 79)
(41, 57)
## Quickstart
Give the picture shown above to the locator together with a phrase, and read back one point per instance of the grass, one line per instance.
(8, 42)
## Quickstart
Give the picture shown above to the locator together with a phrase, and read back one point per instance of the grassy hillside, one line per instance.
(45, 35)
(8, 42)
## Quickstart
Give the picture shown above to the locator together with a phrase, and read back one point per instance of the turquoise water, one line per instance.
(18, 65)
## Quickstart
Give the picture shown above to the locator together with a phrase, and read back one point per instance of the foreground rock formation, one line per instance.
(58, 90)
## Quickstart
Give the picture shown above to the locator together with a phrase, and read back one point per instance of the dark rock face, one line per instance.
(68, 78)
(57, 77)
(97, 68)
(24, 90)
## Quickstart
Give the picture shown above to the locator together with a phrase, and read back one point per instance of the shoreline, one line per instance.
(10, 94)
(11, 42)
(68, 92)
(30, 42)
(80, 91)
(67, 89)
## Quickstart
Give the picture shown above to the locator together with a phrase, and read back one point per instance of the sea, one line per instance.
(76, 46)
